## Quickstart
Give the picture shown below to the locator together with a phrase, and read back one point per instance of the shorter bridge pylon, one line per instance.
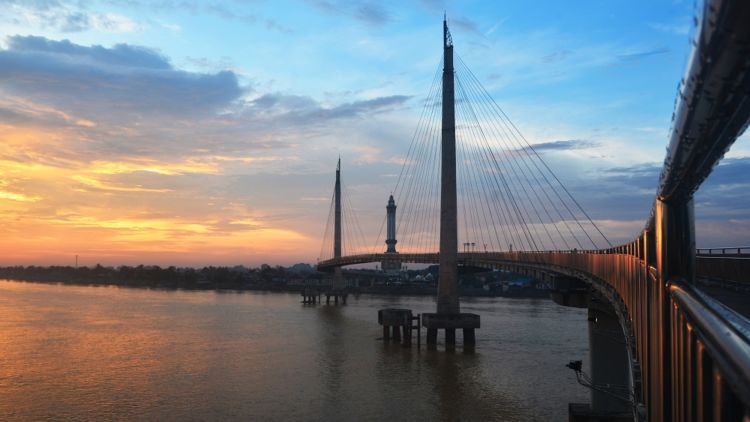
(338, 284)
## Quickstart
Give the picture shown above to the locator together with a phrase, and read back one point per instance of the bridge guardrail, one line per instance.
(731, 250)
(710, 360)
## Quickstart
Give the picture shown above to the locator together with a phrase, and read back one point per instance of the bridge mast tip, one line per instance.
(447, 39)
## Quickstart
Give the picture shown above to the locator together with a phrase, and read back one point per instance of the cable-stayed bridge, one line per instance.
(473, 192)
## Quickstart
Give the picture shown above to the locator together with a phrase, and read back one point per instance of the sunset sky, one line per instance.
(195, 133)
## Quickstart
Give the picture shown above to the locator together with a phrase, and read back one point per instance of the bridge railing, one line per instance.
(729, 250)
(709, 359)
(727, 266)
(686, 344)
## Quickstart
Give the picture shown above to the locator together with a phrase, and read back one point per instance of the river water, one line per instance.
(106, 353)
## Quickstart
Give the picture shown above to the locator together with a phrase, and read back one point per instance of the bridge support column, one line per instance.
(450, 337)
(470, 339)
(432, 337)
(610, 366)
(450, 323)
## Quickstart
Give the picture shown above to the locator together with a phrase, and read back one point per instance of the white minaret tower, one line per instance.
(391, 264)
(391, 240)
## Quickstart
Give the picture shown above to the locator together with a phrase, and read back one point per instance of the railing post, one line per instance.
(675, 238)
(675, 258)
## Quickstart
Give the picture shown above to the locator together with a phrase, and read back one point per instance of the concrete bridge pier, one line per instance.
(396, 322)
(610, 379)
(611, 383)
(610, 373)
(310, 295)
(450, 323)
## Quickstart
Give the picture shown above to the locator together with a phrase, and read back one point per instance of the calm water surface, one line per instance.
(104, 353)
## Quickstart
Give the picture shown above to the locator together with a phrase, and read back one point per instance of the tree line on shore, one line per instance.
(211, 277)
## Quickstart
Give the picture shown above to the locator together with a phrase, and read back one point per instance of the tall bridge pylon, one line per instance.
(338, 279)
(448, 316)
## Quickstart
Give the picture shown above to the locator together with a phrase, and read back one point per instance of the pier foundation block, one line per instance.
(310, 296)
(398, 325)
(450, 323)
(336, 295)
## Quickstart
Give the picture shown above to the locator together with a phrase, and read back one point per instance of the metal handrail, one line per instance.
(728, 347)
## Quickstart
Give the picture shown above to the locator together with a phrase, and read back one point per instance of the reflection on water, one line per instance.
(93, 353)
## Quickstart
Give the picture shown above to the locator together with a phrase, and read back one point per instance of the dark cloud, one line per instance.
(630, 57)
(557, 56)
(373, 13)
(12, 117)
(726, 192)
(368, 11)
(75, 22)
(627, 193)
(225, 12)
(298, 110)
(465, 24)
(434, 5)
(120, 55)
(122, 79)
(564, 145)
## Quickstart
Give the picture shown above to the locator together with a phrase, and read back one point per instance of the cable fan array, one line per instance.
(509, 199)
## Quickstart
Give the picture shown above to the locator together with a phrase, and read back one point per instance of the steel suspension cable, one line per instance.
(483, 182)
(492, 120)
(524, 176)
(536, 154)
(531, 242)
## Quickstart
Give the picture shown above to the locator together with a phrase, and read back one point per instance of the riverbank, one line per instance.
(402, 290)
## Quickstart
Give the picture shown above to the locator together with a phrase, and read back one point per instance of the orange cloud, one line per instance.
(18, 197)
(119, 211)
(152, 166)
(98, 184)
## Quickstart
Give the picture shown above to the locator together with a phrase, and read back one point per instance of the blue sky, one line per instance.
(211, 129)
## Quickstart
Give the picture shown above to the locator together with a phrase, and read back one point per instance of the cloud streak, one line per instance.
(66, 17)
